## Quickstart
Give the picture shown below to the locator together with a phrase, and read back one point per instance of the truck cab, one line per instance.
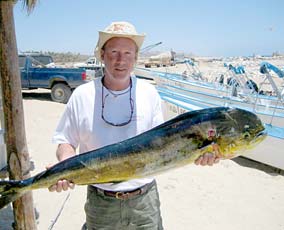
(36, 72)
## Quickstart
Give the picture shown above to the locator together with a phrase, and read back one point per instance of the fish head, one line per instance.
(228, 132)
(236, 132)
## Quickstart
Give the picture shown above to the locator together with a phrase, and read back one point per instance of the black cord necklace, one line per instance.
(131, 103)
(118, 94)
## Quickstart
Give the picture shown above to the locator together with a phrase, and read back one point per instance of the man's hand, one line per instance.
(63, 152)
(207, 159)
(61, 184)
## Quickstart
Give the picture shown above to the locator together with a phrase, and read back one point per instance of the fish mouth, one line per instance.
(260, 136)
(262, 133)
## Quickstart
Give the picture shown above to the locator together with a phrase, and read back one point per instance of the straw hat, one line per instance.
(118, 29)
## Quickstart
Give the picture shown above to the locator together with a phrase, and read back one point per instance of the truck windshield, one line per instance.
(43, 59)
(37, 60)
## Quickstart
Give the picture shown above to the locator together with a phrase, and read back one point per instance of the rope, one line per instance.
(53, 222)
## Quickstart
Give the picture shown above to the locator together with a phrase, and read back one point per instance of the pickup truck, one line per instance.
(35, 74)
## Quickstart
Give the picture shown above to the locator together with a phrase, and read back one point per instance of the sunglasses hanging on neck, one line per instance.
(131, 104)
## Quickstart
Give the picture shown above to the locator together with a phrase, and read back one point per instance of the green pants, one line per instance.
(109, 213)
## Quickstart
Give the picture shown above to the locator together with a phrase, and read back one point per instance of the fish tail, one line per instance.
(10, 190)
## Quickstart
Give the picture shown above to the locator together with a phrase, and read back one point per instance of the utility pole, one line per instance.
(17, 152)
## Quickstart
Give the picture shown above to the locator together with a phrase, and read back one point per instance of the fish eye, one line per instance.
(246, 135)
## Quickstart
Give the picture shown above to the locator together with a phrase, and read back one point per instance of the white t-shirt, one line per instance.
(82, 126)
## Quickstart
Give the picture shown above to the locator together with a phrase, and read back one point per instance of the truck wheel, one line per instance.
(60, 93)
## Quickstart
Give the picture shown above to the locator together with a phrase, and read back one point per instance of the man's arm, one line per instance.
(63, 152)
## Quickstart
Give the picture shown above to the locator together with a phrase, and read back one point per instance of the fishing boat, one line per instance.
(180, 94)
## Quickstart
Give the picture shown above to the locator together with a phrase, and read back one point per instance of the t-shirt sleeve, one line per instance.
(67, 128)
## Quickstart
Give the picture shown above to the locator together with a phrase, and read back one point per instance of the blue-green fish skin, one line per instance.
(228, 132)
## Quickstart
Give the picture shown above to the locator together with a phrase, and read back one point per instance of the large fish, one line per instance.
(226, 131)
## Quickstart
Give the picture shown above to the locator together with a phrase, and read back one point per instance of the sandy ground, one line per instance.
(234, 194)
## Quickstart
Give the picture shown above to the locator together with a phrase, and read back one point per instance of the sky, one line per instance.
(219, 28)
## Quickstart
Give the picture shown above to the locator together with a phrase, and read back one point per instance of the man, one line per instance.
(108, 110)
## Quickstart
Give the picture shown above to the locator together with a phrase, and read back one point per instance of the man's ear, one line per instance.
(102, 55)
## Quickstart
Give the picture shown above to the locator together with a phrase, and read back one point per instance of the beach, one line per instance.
(234, 194)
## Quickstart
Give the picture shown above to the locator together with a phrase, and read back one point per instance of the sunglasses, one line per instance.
(131, 104)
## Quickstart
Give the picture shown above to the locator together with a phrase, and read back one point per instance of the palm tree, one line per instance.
(17, 154)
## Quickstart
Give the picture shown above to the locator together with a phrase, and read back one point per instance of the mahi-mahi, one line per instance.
(228, 132)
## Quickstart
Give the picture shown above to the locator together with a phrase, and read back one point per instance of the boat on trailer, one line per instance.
(180, 95)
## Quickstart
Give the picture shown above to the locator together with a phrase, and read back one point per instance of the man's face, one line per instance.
(119, 56)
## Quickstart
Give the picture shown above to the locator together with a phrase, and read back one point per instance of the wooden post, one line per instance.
(17, 153)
